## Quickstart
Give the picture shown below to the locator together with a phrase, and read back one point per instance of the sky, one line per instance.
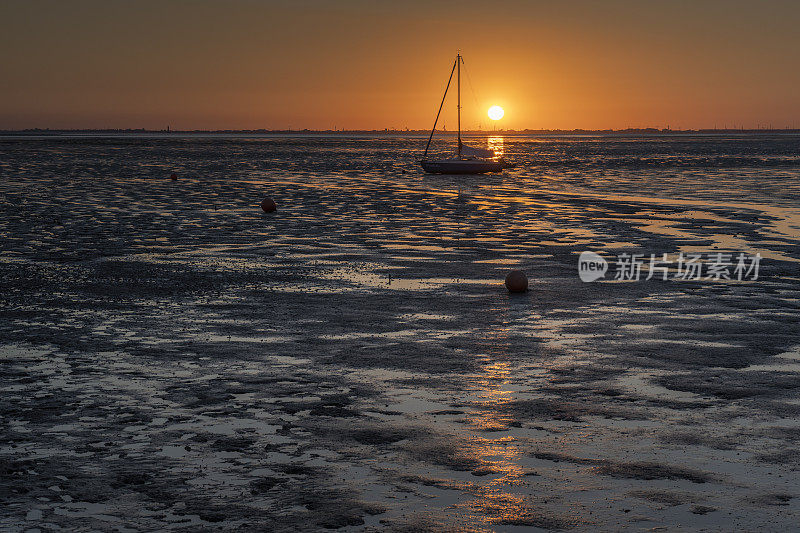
(358, 64)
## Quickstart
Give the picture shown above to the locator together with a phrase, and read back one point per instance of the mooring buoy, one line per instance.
(268, 205)
(516, 281)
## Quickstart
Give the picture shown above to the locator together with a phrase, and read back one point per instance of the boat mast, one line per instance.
(458, 62)
(425, 157)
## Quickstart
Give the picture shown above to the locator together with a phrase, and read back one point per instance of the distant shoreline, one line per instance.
(610, 132)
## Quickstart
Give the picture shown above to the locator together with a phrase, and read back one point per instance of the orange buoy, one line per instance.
(173, 177)
(516, 281)
(268, 205)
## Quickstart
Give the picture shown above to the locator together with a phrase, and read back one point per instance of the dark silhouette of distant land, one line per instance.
(388, 131)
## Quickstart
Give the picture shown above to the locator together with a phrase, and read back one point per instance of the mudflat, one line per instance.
(174, 358)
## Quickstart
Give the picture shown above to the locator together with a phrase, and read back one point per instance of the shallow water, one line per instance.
(174, 358)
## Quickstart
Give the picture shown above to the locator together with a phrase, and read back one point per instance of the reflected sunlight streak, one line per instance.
(496, 144)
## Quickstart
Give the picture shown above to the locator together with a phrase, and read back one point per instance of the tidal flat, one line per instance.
(173, 358)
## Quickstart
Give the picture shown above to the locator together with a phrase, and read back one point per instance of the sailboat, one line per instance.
(469, 160)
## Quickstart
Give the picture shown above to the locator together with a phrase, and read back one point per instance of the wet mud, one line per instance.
(174, 358)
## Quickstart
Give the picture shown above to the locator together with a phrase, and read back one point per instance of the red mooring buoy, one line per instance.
(516, 281)
(173, 177)
(268, 205)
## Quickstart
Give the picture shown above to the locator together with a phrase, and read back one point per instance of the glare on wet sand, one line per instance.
(174, 358)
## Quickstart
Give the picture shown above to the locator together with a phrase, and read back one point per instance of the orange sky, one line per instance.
(201, 64)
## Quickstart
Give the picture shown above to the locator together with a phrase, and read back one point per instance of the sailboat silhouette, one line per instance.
(469, 160)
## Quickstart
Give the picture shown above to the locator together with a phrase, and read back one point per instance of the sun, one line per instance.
(496, 112)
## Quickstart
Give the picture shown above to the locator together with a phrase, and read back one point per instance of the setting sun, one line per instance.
(496, 112)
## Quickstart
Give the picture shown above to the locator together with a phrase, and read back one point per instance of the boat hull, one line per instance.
(461, 166)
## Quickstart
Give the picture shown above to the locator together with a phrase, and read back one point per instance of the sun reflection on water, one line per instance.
(500, 455)
(496, 144)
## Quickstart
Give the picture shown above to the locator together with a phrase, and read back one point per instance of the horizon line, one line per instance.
(170, 131)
